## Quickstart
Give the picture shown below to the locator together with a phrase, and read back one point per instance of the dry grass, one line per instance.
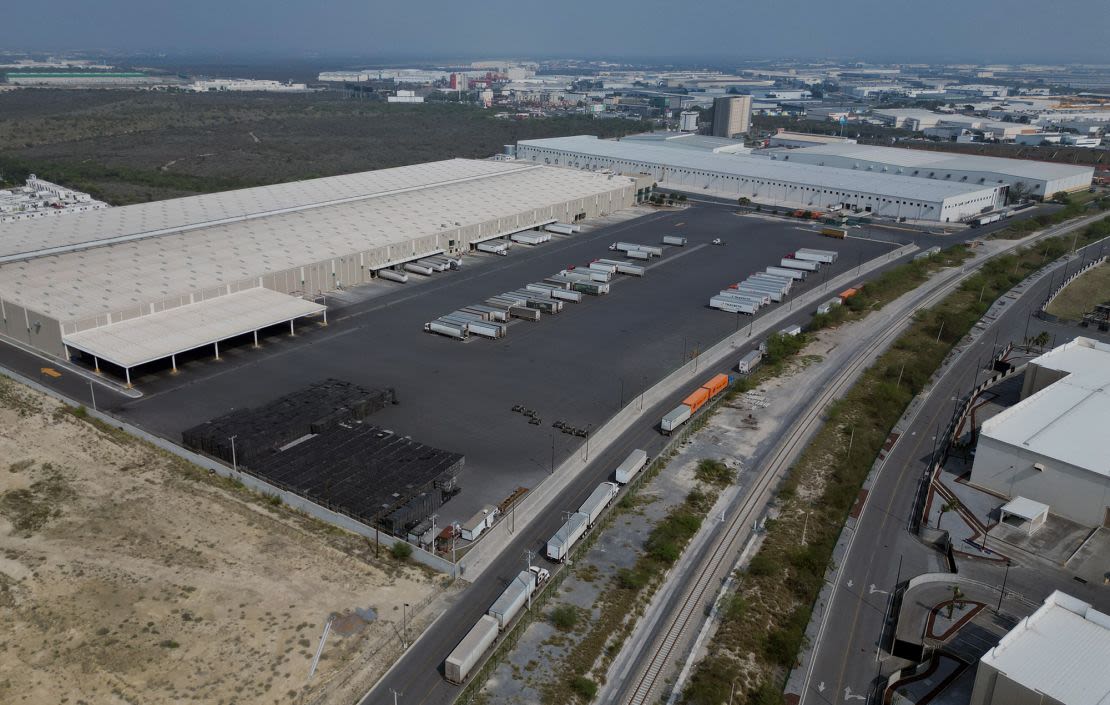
(1092, 287)
(128, 575)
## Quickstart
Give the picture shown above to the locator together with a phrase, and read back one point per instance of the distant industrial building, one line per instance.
(1056, 656)
(786, 138)
(732, 115)
(919, 120)
(405, 97)
(343, 76)
(763, 180)
(39, 198)
(245, 85)
(86, 79)
(1040, 179)
(1051, 446)
(139, 283)
(698, 143)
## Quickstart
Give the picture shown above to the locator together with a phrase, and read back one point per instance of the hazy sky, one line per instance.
(897, 30)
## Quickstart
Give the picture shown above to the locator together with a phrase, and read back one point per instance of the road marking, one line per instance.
(849, 583)
(821, 687)
(849, 695)
(874, 590)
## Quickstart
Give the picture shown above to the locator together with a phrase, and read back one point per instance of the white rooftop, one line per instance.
(1062, 650)
(1025, 508)
(159, 335)
(1066, 420)
(925, 159)
(762, 168)
(161, 217)
(689, 140)
(204, 252)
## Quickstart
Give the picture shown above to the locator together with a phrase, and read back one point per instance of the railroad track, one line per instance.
(737, 530)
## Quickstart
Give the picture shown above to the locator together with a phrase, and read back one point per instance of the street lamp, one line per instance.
(234, 462)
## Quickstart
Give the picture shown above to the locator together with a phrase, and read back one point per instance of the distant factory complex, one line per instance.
(133, 284)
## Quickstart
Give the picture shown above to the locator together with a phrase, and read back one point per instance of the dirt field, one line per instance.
(130, 576)
(1093, 287)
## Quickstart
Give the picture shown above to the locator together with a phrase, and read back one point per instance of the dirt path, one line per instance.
(127, 575)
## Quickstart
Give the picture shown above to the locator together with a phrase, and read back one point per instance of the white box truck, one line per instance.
(460, 664)
(559, 545)
(749, 362)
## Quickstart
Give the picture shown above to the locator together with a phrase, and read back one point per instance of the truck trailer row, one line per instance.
(694, 402)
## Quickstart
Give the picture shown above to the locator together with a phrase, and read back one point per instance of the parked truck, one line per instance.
(838, 233)
(559, 545)
(596, 503)
(986, 220)
(461, 662)
(494, 247)
(635, 462)
(749, 362)
(822, 256)
(674, 240)
(806, 265)
(695, 401)
(795, 274)
(513, 599)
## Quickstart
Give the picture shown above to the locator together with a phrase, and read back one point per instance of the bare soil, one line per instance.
(128, 575)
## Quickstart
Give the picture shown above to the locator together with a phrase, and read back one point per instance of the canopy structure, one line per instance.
(165, 334)
(1024, 513)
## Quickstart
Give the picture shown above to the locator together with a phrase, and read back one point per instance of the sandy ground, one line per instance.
(128, 576)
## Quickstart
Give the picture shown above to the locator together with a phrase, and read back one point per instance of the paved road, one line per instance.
(850, 653)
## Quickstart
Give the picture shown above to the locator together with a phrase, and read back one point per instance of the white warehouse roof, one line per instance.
(1067, 420)
(891, 185)
(231, 237)
(170, 216)
(926, 159)
(1062, 651)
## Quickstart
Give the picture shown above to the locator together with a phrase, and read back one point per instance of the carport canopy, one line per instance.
(1029, 513)
(164, 334)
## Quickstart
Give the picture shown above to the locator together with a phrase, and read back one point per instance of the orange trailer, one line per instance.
(716, 385)
(697, 400)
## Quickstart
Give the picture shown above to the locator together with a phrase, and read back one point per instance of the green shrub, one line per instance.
(584, 687)
(400, 550)
(714, 472)
(564, 617)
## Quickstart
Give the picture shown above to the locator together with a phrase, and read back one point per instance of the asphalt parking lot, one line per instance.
(577, 366)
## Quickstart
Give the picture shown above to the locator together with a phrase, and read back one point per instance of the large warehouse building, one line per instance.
(1051, 446)
(140, 283)
(1041, 179)
(769, 181)
(1055, 656)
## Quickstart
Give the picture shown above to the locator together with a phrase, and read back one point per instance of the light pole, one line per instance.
(234, 460)
(589, 427)
(643, 390)
(1002, 593)
(92, 393)
(405, 623)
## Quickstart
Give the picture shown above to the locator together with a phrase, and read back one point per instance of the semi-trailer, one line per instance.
(791, 263)
(461, 662)
(587, 274)
(562, 228)
(986, 220)
(757, 288)
(763, 299)
(675, 418)
(627, 247)
(494, 247)
(748, 298)
(524, 313)
(637, 254)
(784, 282)
(437, 265)
(732, 305)
(530, 238)
(624, 267)
(596, 503)
(393, 275)
(838, 233)
(417, 268)
(627, 470)
(448, 329)
(487, 329)
(827, 306)
(749, 362)
(559, 545)
(791, 330)
(515, 597)
(796, 274)
(822, 256)
(603, 266)
(554, 291)
(591, 288)
(674, 240)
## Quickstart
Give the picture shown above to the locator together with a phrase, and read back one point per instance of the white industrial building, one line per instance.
(919, 120)
(1051, 446)
(129, 285)
(794, 140)
(1040, 179)
(39, 198)
(245, 85)
(698, 143)
(1056, 656)
(764, 180)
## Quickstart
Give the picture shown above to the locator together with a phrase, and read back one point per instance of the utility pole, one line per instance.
(851, 439)
(92, 393)
(552, 471)
(405, 625)
(234, 460)
(940, 331)
(643, 390)
(1002, 593)
(528, 562)
(899, 384)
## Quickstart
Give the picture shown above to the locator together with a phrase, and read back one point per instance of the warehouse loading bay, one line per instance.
(578, 366)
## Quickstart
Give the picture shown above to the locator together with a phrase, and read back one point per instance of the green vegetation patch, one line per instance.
(30, 508)
(1081, 296)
